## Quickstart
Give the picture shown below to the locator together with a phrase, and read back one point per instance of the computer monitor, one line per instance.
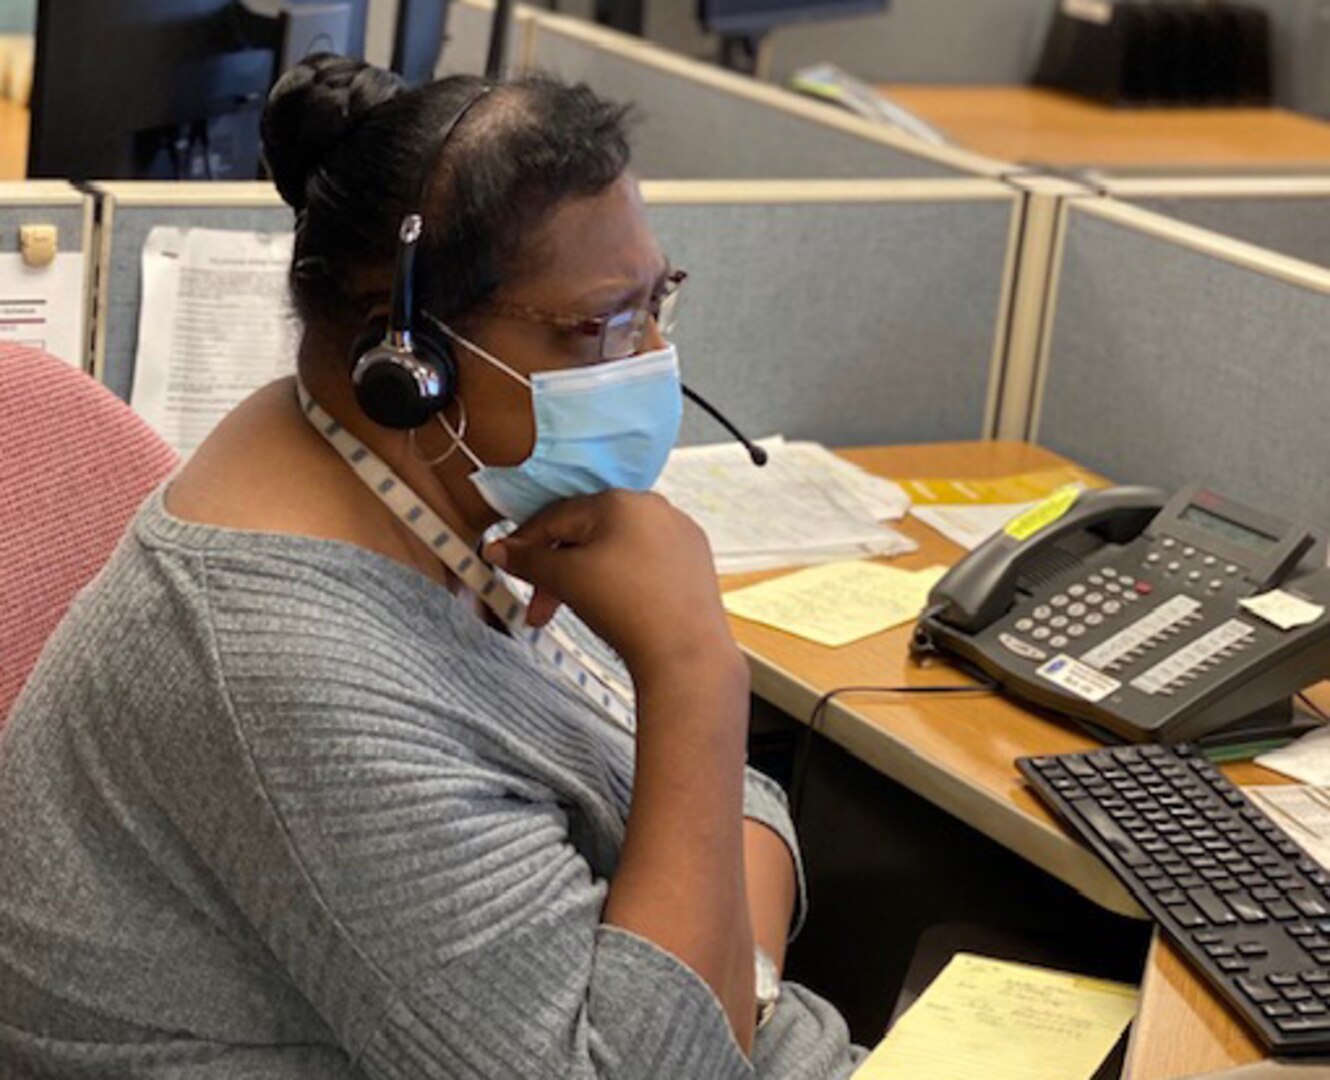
(422, 28)
(754, 18)
(160, 89)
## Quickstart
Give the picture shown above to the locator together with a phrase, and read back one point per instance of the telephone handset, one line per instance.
(1123, 608)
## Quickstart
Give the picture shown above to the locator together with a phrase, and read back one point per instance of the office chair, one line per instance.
(75, 463)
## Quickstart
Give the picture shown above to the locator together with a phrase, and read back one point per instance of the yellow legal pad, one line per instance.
(1003, 1021)
(1019, 488)
(836, 603)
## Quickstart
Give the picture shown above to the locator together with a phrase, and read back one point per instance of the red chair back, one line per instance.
(75, 463)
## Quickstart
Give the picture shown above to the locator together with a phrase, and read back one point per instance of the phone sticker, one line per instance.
(1077, 678)
(1025, 525)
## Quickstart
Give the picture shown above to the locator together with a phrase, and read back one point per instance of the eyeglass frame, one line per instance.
(661, 308)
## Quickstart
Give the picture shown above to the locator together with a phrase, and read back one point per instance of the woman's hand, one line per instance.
(637, 571)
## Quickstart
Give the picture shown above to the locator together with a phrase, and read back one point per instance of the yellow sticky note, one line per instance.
(836, 603)
(1020, 488)
(1003, 1021)
(1023, 526)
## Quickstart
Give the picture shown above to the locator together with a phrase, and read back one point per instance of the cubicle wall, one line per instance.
(467, 46)
(1173, 354)
(58, 204)
(129, 211)
(940, 41)
(1288, 215)
(847, 312)
(697, 121)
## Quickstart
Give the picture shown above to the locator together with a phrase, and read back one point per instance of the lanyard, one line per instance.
(606, 692)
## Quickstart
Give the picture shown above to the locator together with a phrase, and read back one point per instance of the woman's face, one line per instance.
(593, 256)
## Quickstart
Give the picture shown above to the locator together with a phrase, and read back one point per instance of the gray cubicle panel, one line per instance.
(938, 41)
(699, 122)
(466, 48)
(841, 311)
(54, 202)
(129, 211)
(1174, 355)
(1290, 215)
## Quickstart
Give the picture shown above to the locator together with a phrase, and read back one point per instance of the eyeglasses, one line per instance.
(621, 333)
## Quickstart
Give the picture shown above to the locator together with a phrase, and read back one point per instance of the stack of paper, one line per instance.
(1004, 1021)
(804, 506)
(968, 511)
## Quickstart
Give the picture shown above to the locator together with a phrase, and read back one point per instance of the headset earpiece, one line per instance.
(402, 387)
(403, 373)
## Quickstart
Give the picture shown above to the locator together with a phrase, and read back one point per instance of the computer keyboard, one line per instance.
(1242, 901)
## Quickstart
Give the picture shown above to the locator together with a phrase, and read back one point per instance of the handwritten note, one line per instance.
(1283, 609)
(837, 603)
(1003, 1021)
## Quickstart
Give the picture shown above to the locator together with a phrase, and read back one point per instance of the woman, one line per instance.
(299, 789)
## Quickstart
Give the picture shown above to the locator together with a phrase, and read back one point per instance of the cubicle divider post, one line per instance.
(1045, 199)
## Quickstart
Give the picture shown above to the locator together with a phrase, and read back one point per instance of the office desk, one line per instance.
(958, 753)
(1030, 124)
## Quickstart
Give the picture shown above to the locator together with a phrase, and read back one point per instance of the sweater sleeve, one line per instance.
(764, 801)
(461, 885)
(437, 901)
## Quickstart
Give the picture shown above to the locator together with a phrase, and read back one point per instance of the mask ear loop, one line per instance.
(457, 436)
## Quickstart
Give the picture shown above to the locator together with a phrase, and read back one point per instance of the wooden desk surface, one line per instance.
(13, 141)
(1030, 124)
(959, 752)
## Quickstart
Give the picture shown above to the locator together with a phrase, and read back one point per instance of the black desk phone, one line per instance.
(1124, 613)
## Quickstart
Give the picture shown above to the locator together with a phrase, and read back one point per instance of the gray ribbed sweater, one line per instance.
(273, 807)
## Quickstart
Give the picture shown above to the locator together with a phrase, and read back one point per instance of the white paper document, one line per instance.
(215, 325)
(42, 306)
(1306, 759)
(1301, 811)
(804, 506)
(969, 525)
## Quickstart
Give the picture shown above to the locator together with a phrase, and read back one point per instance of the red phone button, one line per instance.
(1144, 588)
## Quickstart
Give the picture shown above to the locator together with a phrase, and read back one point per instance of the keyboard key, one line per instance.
(1113, 836)
(1253, 948)
(1211, 906)
(1309, 905)
(1277, 1008)
(1256, 991)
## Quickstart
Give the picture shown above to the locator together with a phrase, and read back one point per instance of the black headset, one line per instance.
(405, 373)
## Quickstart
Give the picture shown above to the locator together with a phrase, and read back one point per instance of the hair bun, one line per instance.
(310, 110)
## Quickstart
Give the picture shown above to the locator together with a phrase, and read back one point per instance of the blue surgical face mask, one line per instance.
(611, 425)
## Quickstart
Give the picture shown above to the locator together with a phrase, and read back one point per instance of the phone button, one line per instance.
(1058, 601)
(1057, 641)
(1024, 625)
(1040, 633)
(1021, 648)
(1043, 611)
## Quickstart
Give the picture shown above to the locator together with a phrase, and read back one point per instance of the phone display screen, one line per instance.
(1229, 530)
